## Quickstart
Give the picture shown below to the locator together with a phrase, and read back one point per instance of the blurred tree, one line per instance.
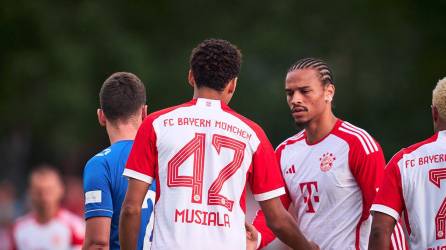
(386, 57)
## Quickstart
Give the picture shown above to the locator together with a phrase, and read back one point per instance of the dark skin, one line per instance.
(279, 220)
(383, 224)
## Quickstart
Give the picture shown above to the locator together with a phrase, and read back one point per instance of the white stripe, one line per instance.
(259, 240)
(367, 135)
(94, 210)
(136, 175)
(403, 236)
(357, 136)
(292, 138)
(398, 240)
(393, 242)
(385, 210)
(367, 141)
(269, 195)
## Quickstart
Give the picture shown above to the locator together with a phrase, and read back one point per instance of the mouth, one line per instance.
(298, 110)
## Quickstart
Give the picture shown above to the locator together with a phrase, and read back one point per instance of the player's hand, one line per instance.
(314, 246)
(251, 237)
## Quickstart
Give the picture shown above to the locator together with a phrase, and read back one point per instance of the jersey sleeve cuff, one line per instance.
(269, 195)
(385, 210)
(259, 240)
(98, 213)
(136, 175)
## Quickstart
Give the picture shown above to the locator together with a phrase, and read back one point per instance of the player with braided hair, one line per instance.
(331, 168)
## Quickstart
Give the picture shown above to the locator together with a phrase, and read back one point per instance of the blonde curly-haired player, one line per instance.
(415, 183)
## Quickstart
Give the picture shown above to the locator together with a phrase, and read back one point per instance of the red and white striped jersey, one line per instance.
(63, 232)
(331, 185)
(415, 182)
(202, 154)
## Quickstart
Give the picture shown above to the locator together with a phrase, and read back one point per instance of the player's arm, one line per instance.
(382, 228)
(140, 168)
(387, 208)
(264, 235)
(131, 214)
(97, 233)
(283, 225)
(267, 186)
(98, 205)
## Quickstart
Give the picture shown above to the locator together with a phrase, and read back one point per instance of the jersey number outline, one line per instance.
(435, 176)
(196, 148)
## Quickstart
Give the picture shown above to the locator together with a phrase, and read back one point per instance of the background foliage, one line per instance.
(386, 57)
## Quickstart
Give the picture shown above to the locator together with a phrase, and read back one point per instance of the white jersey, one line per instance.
(415, 183)
(202, 155)
(331, 185)
(64, 232)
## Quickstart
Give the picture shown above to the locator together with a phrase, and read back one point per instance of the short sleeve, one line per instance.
(98, 199)
(389, 199)
(143, 156)
(367, 168)
(266, 180)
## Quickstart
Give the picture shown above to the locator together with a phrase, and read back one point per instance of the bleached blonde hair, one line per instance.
(439, 97)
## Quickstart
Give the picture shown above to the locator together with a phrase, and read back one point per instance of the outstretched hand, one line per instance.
(251, 237)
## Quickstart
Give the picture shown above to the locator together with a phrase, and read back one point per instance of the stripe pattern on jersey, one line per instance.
(367, 142)
(398, 238)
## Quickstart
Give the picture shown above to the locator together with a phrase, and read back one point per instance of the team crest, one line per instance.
(327, 160)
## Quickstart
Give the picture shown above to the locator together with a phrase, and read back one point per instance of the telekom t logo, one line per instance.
(306, 189)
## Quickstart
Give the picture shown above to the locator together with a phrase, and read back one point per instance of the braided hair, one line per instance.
(317, 64)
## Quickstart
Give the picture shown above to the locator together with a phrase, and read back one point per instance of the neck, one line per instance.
(208, 93)
(320, 127)
(45, 215)
(122, 131)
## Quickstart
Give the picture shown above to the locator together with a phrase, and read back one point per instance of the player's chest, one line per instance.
(322, 168)
(53, 236)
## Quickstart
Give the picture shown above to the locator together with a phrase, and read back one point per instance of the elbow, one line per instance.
(130, 210)
(97, 244)
(379, 234)
(276, 225)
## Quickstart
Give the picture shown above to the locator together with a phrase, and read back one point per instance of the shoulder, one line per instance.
(412, 148)
(291, 140)
(156, 114)
(357, 138)
(248, 122)
(98, 162)
(22, 221)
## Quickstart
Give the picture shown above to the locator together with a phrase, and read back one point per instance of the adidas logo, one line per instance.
(291, 170)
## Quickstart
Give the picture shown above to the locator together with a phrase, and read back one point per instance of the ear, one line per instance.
(232, 85)
(101, 117)
(435, 115)
(329, 92)
(191, 79)
(144, 112)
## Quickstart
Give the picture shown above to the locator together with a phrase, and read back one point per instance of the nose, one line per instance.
(296, 98)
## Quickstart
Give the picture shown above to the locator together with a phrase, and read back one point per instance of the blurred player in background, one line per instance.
(331, 168)
(202, 154)
(123, 108)
(47, 226)
(415, 183)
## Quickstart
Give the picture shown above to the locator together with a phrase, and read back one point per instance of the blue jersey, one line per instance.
(105, 188)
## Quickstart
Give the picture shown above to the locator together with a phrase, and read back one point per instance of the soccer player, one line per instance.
(415, 183)
(202, 154)
(122, 110)
(331, 167)
(47, 226)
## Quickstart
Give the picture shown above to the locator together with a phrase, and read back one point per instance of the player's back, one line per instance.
(205, 151)
(105, 189)
(423, 181)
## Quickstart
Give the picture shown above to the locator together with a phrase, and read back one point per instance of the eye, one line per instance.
(288, 92)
